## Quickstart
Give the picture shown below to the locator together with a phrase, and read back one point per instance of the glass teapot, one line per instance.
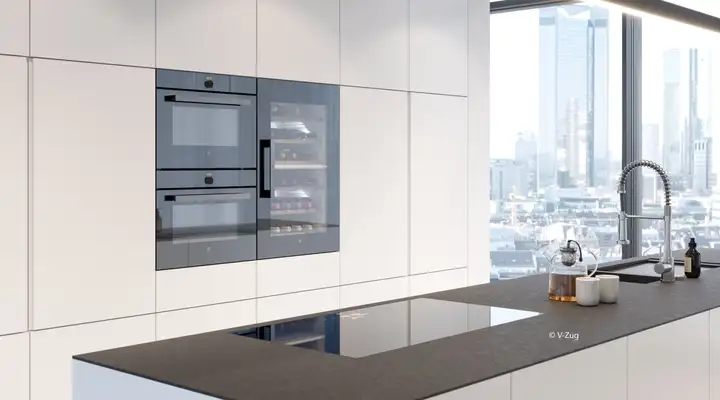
(566, 265)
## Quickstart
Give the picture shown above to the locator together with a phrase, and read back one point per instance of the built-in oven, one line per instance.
(205, 121)
(205, 217)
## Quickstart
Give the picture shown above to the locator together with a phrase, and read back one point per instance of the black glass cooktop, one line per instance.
(371, 330)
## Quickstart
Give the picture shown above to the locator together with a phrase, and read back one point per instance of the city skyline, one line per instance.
(514, 112)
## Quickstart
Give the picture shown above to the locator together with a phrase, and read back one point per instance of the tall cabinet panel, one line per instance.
(13, 212)
(93, 202)
(299, 39)
(438, 46)
(374, 155)
(104, 31)
(438, 182)
(715, 354)
(298, 172)
(228, 41)
(14, 27)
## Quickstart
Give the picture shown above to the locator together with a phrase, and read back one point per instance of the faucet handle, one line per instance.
(662, 268)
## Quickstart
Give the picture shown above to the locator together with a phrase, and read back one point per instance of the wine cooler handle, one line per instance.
(265, 169)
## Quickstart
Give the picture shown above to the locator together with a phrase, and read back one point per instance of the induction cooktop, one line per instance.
(371, 330)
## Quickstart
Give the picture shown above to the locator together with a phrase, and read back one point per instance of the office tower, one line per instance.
(671, 126)
(573, 94)
(703, 179)
(526, 154)
(507, 177)
(651, 149)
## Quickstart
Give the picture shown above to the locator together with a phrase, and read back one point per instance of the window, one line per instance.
(555, 134)
(681, 128)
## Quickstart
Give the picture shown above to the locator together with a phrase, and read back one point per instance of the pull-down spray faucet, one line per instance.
(665, 267)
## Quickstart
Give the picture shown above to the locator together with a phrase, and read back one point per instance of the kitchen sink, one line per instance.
(633, 278)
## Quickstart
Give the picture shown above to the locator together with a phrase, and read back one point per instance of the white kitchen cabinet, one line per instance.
(714, 354)
(438, 281)
(201, 286)
(491, 389)
(374, 152)
(14, 210)
(670, 361)
(438, 182)
(374, 292)
(383, 328)
(52, 351)
(93, 192)
(438, 46)
(596, 373)
(374, 36)
(295, 274)
(15, 27)
(196, 320)
(15, 367)
(216, 36)
(104, 31)
(299, 40)
(478, 141)
(297, 304)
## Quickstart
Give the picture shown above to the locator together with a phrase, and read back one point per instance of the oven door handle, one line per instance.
(265, 181)
(208, 99)
(207, 198)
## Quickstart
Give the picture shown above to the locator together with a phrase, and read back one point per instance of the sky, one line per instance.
(514, 72)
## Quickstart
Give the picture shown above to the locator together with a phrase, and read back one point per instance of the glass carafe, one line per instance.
(566, 265)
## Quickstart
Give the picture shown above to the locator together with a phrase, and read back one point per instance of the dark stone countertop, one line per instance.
(230, 367)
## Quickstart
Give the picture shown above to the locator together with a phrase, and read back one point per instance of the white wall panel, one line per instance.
(210, 284)
(15, 27)
(299, 40)
(374, 147)
(438, 46)
(93, 192)
(196, 320)
(52, 351)
(438, 281)
(216, 36)
(374, 37)
(438, 183)
(105, 31)
(492, 389)
(478, 141)
(14, 209)
(297, 304)
(374, 292)
(15, 367)
(596, 373)
(294, 274)
(679, 349)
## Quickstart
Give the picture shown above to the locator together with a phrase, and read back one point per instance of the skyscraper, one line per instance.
(573, 96)
(671, 126)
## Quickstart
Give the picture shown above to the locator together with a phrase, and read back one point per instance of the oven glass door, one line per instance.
(205, 130)
(205, 227)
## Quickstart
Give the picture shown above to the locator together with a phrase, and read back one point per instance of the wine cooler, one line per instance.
(298, 176)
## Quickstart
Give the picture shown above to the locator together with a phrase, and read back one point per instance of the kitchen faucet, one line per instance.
(665, 267)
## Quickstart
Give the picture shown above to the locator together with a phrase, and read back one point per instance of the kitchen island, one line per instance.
(658, 342)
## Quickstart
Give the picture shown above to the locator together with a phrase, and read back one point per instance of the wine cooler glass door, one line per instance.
(299, 173)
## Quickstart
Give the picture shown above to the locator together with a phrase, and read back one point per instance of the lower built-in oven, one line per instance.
(205, 218)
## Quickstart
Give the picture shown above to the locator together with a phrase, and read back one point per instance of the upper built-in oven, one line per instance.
(205, 121)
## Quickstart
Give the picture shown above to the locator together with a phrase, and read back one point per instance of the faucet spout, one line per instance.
(665, 267)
